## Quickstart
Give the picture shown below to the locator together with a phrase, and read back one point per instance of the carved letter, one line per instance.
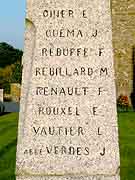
(100, 51)
(95, 34)
(99, 132)
(103, 153)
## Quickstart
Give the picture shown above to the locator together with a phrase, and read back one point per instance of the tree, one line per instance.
(16, 76)
(5, 77)
(9, 55)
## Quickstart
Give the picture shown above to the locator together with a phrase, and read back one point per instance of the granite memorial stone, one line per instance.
(68, 121)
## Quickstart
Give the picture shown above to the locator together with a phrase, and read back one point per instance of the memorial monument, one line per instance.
(68, 121)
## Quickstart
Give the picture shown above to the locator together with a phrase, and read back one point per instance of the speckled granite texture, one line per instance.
(70, 178)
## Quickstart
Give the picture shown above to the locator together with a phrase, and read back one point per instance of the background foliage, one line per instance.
(10, 66)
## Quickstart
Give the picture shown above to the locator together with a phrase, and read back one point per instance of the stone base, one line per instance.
(68, 178)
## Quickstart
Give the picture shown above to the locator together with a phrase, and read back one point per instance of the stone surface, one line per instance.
(70, 178)
(123, 18)
(68, 119)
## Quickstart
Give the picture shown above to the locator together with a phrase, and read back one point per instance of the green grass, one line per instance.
(8, 131)
(127, 145)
